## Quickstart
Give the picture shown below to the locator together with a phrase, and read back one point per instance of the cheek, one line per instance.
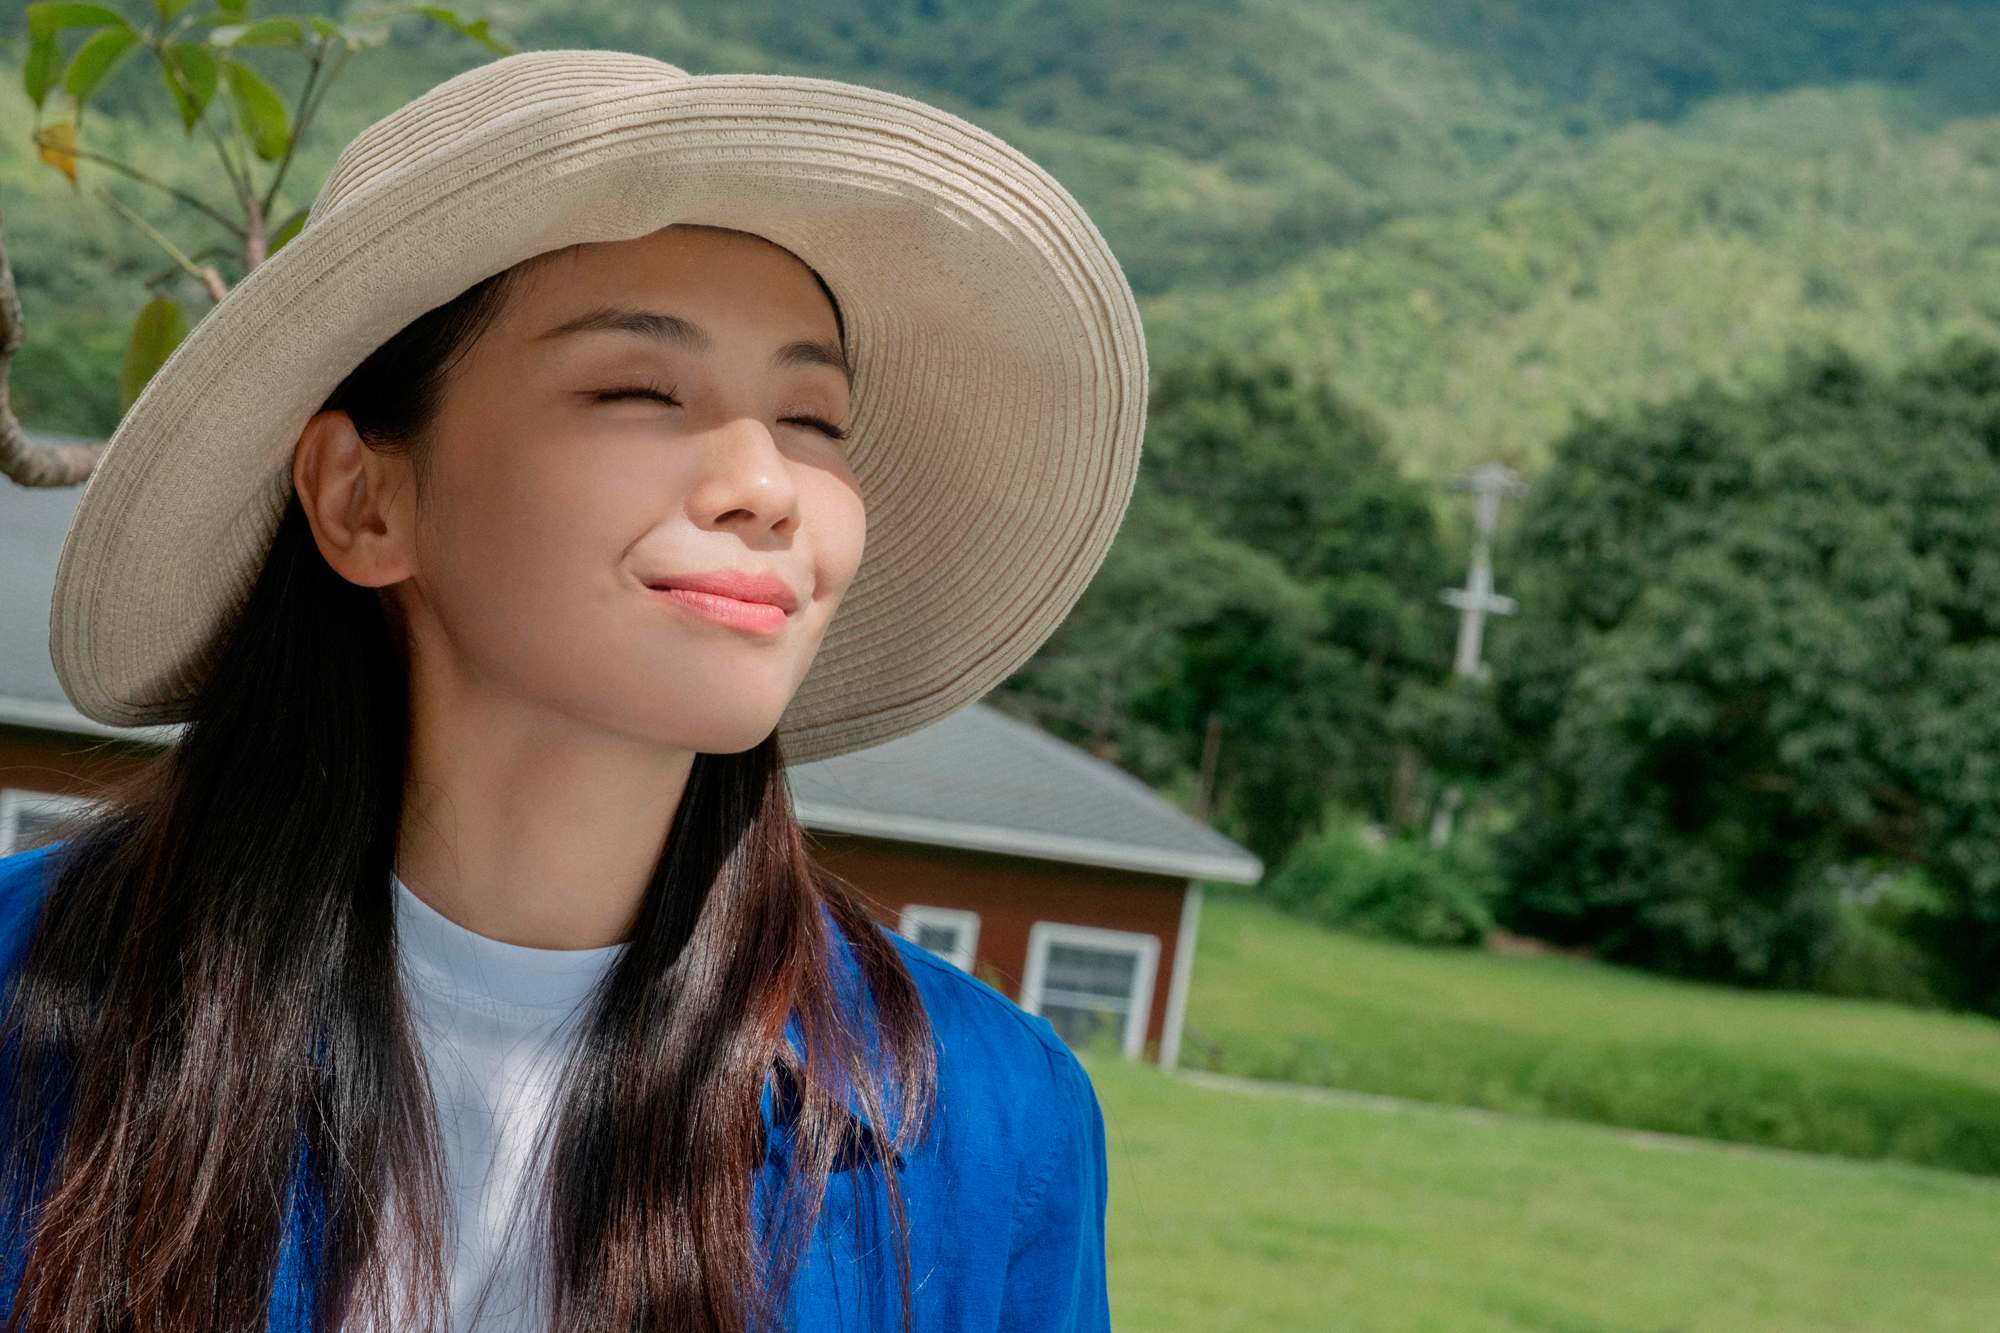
(517, 545)
(523, 566)
(838, 520)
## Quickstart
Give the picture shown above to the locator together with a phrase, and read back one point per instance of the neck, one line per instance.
(526, 826)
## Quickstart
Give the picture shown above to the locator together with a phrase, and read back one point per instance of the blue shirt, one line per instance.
(1004, 1196)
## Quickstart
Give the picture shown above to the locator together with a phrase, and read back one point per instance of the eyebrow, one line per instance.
(672, 329)
(647, 324)
(813, 352)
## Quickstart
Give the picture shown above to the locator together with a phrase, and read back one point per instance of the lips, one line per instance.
(753, 603)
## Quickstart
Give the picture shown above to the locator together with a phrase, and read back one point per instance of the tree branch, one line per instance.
(88, 156)
(28, 463)
(208, 277)
(299, 124)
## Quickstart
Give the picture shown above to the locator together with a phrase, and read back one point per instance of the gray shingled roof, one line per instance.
(32, 524)
(984, 781)
(979, 780)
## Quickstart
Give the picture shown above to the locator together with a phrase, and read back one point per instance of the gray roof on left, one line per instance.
(32, 524)
(978, 780)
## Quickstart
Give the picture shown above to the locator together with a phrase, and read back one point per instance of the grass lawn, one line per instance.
(1274, 997)
(1235, 1212)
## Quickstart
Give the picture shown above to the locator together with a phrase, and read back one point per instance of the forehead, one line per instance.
(696, 273)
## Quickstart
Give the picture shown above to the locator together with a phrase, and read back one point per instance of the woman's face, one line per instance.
(635, 507)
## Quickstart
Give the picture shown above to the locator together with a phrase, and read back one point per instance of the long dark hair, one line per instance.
(207, 1046)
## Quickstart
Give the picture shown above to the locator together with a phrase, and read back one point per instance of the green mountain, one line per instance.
(1476, 216)
(1658, 59)
(1651, 260)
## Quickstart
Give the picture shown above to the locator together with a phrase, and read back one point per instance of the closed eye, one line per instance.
(648, 391)
(820, 424)
(653, 393)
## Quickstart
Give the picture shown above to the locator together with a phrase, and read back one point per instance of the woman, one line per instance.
(463, 965)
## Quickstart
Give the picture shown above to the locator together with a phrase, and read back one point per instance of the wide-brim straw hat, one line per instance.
(999, 365)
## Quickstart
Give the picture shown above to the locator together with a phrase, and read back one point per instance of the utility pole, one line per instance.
(1211, 750)
(1477, 600)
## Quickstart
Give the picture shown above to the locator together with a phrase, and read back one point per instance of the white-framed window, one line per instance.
(26, 815)
(951, 935)
(1091, 983)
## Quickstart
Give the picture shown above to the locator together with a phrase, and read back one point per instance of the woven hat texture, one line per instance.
(1000, 371)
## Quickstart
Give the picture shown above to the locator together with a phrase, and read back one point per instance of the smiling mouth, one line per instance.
(753, 603)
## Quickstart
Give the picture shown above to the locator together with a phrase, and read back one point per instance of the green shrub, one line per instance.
(1816, 1103)
(1884, 912)
(1869, 961)
(1403, 891)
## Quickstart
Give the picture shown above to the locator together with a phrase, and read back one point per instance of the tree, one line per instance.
(1761, 649)
(1274, 573)
(213, 82)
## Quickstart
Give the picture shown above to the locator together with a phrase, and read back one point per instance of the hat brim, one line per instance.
(999, 376)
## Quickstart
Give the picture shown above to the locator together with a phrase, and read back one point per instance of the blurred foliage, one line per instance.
(1760, 644)
(1873, 961)
(211, 65)
(1401, 891)
(82, 272)
(1275, 572)
(1456, 729)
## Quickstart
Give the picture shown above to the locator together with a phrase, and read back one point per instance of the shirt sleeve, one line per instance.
(1055, 1257)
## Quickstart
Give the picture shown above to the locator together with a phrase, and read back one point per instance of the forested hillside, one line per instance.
(1475, 217)
(1657, 59)
(1212, 142)
(1629, 272)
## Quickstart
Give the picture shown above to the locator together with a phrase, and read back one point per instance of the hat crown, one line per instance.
(473, 101)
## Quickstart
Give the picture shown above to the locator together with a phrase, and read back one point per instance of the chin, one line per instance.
(706, 730)
(673, 698)
(735, 742)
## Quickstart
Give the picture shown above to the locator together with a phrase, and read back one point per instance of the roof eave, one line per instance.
(47, 715)
(1228, 868)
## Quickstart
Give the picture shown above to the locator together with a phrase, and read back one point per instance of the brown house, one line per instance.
(1055, 877)
(1058, 879)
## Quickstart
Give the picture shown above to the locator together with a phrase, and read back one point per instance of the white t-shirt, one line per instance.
(496, 1023)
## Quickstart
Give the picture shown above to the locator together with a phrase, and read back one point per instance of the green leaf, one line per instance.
(263, 111)
(155, 334)
(236, 9)
(325, 26)
(292, 227)
(51, 17)
(168, 8)
(478, 30)
(95, 59)
(44, 67)
(273, 32)
(190, 113)
(195, 86)
(267, 32)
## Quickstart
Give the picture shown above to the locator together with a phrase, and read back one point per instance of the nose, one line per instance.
(746, 485)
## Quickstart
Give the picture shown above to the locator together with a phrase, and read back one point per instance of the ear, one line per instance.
(361, 504)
